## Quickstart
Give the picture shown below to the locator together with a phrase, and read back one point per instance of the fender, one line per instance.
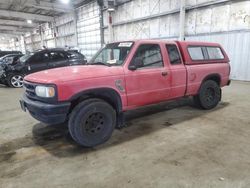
(110, 95)
(215, 77)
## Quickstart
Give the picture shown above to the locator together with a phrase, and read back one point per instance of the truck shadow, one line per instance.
(57, 141)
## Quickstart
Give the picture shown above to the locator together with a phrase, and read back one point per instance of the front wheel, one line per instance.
(92, 122)
(15, 80)
(209, 95)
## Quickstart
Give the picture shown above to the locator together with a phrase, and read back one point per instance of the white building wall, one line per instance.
(14, 44)
(5, 44)
(58, 34)
(41, 36)
(140, 19)
(65, 31)
(33, 41)
(88, 29)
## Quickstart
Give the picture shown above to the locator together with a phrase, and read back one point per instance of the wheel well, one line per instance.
(109, 95)
(214, 77)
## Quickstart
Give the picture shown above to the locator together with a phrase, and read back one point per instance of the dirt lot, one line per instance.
(168, 145)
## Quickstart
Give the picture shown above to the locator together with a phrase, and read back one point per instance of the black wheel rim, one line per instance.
(94, 123)
(210, 95)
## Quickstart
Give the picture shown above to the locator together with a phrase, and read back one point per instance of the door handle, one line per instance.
(164, 73)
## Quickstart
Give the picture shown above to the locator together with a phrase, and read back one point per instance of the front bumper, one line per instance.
(1, 73)
(44, 112)
(2, 79)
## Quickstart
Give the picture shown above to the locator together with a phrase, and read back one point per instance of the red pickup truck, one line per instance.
(124, 76)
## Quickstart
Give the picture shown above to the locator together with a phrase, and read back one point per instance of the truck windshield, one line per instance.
(112, 54)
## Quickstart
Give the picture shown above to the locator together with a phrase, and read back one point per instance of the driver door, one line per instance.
(150, 82)
(38, 62)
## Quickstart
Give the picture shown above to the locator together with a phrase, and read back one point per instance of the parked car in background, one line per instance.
(12, 75)
(10, 59)
(3, 53)
(124, 76)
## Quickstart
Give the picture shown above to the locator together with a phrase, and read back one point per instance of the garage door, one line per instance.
(88, 29)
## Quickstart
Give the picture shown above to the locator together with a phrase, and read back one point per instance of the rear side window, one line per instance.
(75, 55)
(9, 59)
(173, 53)
(205, 53)
(196, 53)
(214, 53)
(57, 56)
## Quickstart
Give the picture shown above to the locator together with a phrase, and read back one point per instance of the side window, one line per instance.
(196, 53)
(72, 54)
(116, 53)
(39, 58)
(173, 53)
(214, 53)
(8, 59)
(149, 55)
(57, 56)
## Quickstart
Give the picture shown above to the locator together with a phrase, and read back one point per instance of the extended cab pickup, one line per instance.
(124, 76)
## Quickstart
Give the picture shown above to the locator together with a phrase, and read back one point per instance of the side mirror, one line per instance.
(136, 63)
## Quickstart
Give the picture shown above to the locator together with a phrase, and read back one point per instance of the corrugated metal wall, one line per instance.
(139, 19)
(5, 45)
(65, 31)
(88, 29)
(33, 41)
(42, 36)
(59, 34)
(237, 45)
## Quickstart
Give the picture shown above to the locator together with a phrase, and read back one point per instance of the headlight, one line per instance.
(44, 91)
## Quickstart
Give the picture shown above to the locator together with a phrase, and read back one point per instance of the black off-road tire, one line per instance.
(92, 122)
(76, 109)
(209, 95)
(11, 78)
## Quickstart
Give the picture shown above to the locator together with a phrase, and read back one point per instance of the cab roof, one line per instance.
(185, 43)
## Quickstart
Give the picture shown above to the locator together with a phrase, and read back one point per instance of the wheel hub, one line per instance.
(94, 123)
(17, 81)
(210, 94)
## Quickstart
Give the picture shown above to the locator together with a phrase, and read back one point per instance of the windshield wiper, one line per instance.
(99, 63)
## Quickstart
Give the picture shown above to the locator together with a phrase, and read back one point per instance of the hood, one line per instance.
(72, 73)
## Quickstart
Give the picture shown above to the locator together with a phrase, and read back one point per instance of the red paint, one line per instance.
(110, 19)
(142, 86)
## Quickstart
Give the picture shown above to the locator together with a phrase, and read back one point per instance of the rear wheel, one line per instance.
(15, 80)
(209, 95)
(92, 122)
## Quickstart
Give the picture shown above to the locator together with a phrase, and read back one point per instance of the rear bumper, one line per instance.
(44, 112)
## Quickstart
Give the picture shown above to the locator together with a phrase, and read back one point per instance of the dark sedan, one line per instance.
(12, 75)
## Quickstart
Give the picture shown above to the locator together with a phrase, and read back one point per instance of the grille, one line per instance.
(30, 89)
